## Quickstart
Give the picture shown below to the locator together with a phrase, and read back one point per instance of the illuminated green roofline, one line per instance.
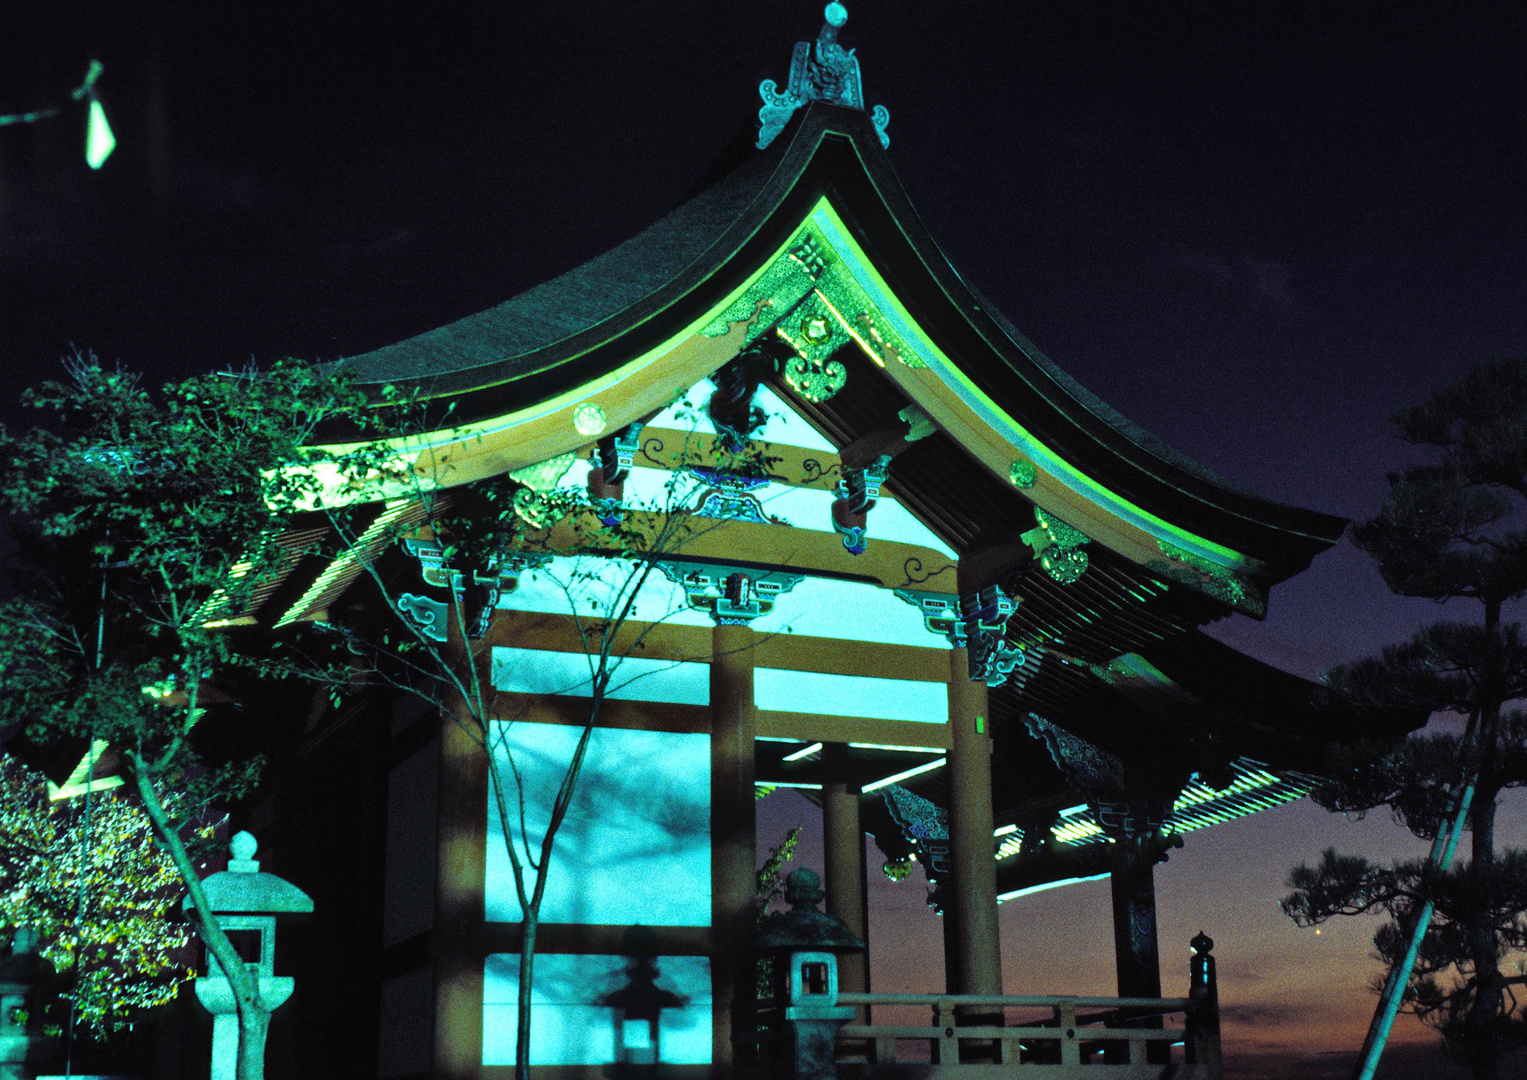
(836, 233)
(605, 382)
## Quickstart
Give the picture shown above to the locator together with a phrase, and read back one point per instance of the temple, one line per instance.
(959, 605)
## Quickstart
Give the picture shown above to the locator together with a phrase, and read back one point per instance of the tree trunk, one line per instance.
(253, 1026)
(522, 1013)
(250, 1061)
(1479, 1022)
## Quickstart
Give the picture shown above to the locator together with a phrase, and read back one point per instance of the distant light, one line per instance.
(99, 141)
(804, 752)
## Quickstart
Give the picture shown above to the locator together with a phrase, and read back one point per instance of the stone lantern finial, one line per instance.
(242, 848)
(803, 889)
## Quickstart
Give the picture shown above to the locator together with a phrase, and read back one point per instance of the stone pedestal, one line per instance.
(216, 994)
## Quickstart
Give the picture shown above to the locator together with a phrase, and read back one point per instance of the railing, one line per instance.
(810, 1033)
(1076, 1031)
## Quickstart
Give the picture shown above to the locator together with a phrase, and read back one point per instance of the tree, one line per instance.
(770, 886)
(1448, 530)
(142, 521)
(597, 547)
(99, 892)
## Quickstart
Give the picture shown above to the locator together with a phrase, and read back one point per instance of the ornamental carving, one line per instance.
(1210, 578)
(827, 73)
(814, 331)
(1092, 771)
(428, 615)
(1055, 544)
(924, 825)
(730, 496)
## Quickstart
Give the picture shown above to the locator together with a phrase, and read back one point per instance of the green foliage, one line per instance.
(770, 884)
(1448, 529)
(130, 952)
(769, 887)
(146, 522)
(142, 518)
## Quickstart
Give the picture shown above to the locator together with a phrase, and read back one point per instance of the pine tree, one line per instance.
(1448, 530)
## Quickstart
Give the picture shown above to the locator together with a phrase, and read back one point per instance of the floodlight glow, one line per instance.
(906, 775)
(1032, 889)
(887, 746)
(1004, 830)
(804, 752)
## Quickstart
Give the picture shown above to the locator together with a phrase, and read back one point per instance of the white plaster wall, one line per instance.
(635, 846)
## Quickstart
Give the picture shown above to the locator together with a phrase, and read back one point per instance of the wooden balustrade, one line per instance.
(1075, 1032)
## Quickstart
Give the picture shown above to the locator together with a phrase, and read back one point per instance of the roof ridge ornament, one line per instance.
(829, 73)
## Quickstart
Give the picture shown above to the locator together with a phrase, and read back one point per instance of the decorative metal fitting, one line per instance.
(990, 659)
(815, 333)
(859, 488)
(1055, 544)
(730, 594)
(830, 73)
(727, 496)
(617, 451)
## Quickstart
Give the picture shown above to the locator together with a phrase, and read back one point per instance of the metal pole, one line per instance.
(90, 756)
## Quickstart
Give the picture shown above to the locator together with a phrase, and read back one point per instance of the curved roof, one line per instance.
(615, 321)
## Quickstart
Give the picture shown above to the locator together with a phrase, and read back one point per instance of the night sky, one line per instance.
(1255, 229)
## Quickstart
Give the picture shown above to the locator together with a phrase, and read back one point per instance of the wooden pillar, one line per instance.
(1132, 879)
(733, 832)
(847, 896)
(461, 819)
(976, 966)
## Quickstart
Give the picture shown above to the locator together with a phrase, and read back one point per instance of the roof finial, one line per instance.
(831, 74)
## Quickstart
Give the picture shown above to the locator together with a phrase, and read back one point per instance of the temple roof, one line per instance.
(621, 319)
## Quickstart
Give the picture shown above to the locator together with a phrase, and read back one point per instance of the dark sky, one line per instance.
(1254, 228)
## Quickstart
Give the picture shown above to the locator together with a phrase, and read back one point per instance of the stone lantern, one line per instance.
(245, 903)
(26, 985)
(805, 944)
(638, 1008)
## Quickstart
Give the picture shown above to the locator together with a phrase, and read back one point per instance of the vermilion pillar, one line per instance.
(975, 966)
(733, 829)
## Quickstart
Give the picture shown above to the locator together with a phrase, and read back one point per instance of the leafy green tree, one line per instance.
(142, 519)
(99, 891)
(1448, 530)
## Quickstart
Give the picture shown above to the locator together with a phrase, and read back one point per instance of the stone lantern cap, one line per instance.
(242, 889)
(803, 928)
(25, 965)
